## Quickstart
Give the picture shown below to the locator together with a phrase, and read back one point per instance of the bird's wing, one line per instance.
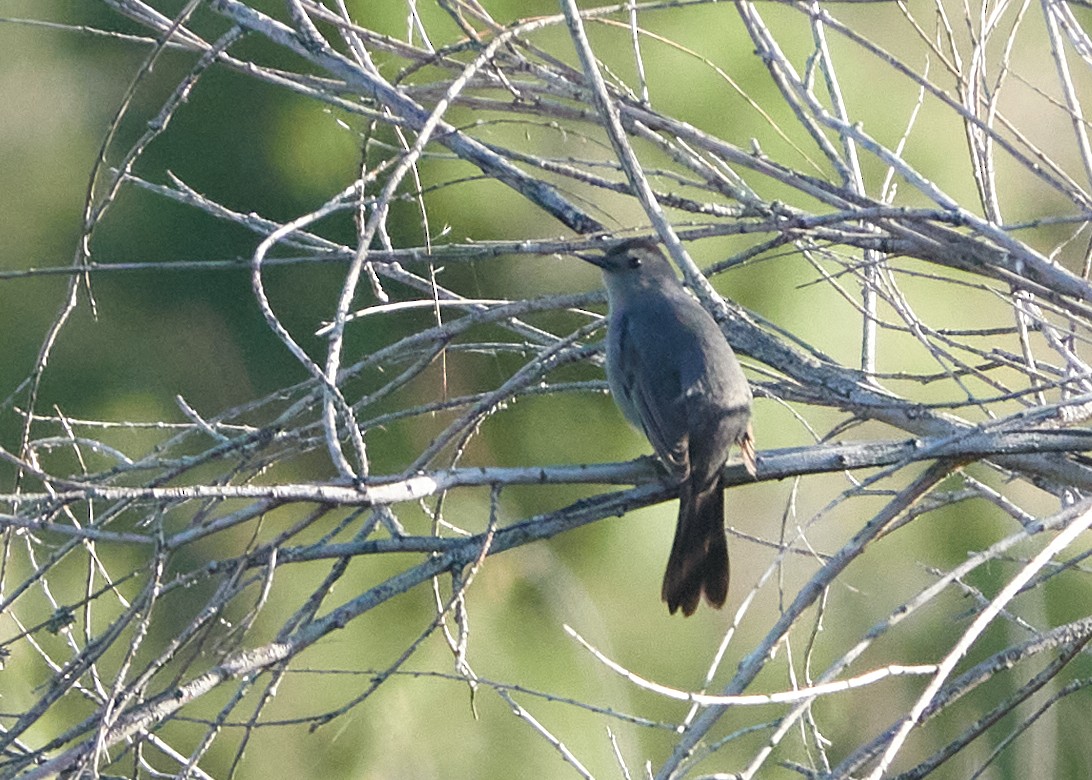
(651, 379)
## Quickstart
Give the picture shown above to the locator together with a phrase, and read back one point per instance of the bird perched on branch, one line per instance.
(674, 376)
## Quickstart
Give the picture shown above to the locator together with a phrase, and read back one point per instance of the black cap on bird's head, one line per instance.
(637, 256)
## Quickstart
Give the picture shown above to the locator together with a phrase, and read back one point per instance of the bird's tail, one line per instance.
(699, 554)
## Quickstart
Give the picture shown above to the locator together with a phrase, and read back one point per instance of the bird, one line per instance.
(674, 376)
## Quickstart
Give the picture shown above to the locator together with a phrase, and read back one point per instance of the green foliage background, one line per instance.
(164, 332)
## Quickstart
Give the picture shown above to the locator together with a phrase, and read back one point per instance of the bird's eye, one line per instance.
(634, 261)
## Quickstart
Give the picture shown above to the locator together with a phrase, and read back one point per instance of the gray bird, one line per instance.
(674, 377)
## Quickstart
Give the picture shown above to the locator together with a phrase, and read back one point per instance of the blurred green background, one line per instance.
(166, 332)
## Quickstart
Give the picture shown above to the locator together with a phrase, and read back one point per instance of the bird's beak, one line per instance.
(596, 260)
